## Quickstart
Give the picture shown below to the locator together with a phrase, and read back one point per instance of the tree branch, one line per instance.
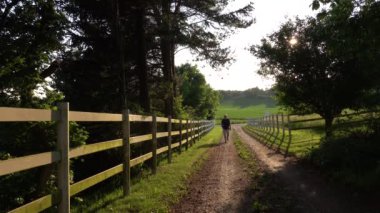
(7, 10)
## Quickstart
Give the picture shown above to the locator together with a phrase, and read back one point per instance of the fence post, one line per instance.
(196, 130)
(273, 124)
(290, 136)
(126, 153)
(63, 146)
(290, 129)
(180, 135)
(265, 123)
(260, 122)
(199, 130)
(277, 124)
(191, 133)
(187, 134)
(203, 127)
(270, 123)
(169, 139)
(154, 143)
(283, 126)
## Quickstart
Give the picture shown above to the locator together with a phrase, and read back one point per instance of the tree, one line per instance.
(310, 77)
(30, 31)
(198, 98)
(331, 63)
(198, 25)
(355, 25)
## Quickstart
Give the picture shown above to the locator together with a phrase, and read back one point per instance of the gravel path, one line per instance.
(221, 185)
(310, 188)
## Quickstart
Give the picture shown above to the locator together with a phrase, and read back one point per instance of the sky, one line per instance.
(242, 74)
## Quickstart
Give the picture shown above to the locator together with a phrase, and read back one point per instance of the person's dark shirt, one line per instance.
(226, 123)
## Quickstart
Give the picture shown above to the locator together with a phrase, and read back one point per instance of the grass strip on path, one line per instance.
(269, 193)
(156, 193)
(254, 172)
(245, 154)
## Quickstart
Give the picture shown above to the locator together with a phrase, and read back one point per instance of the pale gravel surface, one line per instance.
(307, 185)
(221, 185)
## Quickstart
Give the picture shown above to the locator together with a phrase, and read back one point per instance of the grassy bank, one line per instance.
(155, 193)
(302, 141)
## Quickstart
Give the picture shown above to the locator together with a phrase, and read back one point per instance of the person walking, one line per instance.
(226, 125)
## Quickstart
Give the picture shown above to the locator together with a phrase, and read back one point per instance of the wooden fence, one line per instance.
(189, 131)
(276, 126)
(280, 126)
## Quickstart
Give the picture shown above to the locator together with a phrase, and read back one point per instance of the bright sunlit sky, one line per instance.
(242, 74)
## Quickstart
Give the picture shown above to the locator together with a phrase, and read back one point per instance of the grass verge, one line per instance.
(253, 169)
(267, 195)
(270, 194)
(155, 193)
(302, 141)
(245, 154)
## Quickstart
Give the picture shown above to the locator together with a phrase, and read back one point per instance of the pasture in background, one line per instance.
(241, 105)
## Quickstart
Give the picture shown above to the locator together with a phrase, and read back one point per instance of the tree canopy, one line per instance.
(325, 64)
(198, 98)
(103, 56)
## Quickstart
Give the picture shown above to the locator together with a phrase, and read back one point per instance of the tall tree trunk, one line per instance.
(167, 70)
(328, 125)
(142, 72)
(141, 59)
(174, 76)
(167, 52)
(119, 50)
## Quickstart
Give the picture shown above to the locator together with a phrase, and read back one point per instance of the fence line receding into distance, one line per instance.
(267, 128)
(189, 131)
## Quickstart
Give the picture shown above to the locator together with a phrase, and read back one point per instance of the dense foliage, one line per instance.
(326, 64)
(102, 56)
(199, 99)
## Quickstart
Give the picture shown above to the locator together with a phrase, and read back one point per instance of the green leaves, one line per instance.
(329, 67)
(315, 5)
(199, 99)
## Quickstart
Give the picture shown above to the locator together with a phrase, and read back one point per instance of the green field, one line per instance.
(251, 103)
(243, 112)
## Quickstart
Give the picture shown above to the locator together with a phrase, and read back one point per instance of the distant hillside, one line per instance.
(254, 96)
(246, 104)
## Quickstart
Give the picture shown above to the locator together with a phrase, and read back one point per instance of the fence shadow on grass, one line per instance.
(271, 139)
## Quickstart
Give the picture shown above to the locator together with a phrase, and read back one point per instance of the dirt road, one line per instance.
(223, 185)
